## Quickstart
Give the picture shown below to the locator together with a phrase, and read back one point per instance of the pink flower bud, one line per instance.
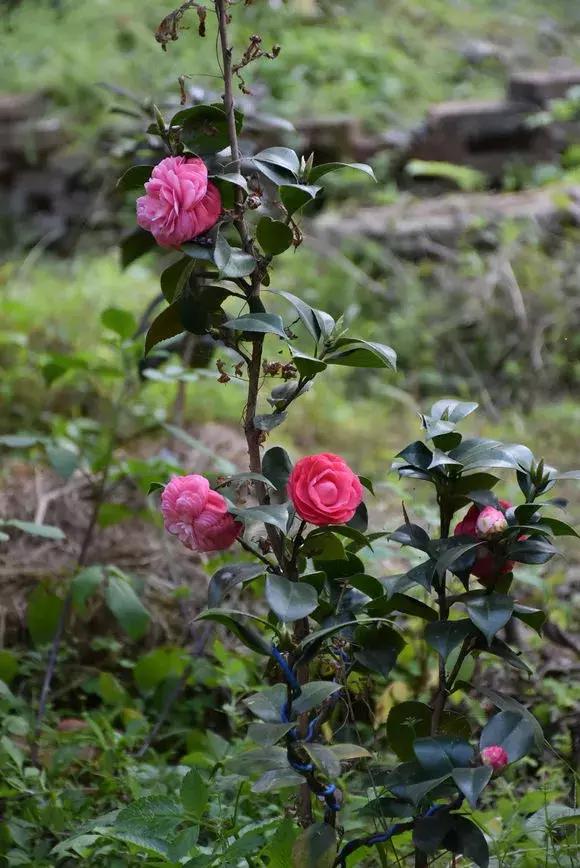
(490, 522)
(494, 756)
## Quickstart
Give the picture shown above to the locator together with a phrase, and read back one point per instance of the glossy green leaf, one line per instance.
(135, 245)
(439, 755)
(174, 278)
(204, 128)
(406, 722)
(229, 577)
(509, 730)
(285, 158)
(314, 694)
(166, 325)
(267, 704)
(356, 353)
(231, 261)
(134, 178)
(277, 466)
(295, 196)
(490, 612)
(240, 624)
(444, 636)
(263, 323)
(290, 601)
(274, 514)
(472, 782)
(274, 236)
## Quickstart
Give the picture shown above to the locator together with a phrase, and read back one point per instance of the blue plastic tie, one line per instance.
(288, 673)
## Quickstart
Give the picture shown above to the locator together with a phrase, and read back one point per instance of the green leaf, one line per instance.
(167, 325)
(295, 196)
(63, 460)
(279, 849)
(285, 158)
(509, 730)
(479, 452)
(155, 816)
(126, 606)
(290, 601)
(411, 782)
(558, 527)
(444, 636)
(532, 551)
(174, 278)
(451, 410)
(534, 618)
(239, 623)
(84, 585)
(406, 722)
(274, 236)
(380, 647)
(490, 612)
(157, 666)
(507, 703)
(269, 421)
(120, 321)
(267, 704)
(155, 486)
(467, 838)
(314, 694)
(439, 755)
(318, 323)
(204, 128)
(46, 531)
(136, 245)
(323, 544)
(43, 614)
(452, 551)
(228, 577)
(472, 782)
(277, 466)
(232, 178)
(356, 353)
(134, 178)
(111, 690)
(194, 793)
(315, 847)
(141, 840)
(268, 734)
(319, 171)
(231, 261)
(274, 514)
(8, 666)
(307, 366)
(263, 323)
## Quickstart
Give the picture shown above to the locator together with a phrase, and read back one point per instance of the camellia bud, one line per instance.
(490, 522)
(494, 756)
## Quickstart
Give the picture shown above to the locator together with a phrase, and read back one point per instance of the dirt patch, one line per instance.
(137, 545)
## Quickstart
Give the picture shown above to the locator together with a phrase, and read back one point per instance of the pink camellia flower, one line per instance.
(489, 566)
(180, 203)
(494, 756)
(198, 515)
(324, 490)
(490, 522)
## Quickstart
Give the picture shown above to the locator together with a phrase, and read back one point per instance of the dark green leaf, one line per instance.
(134, 178)
(444, 636)
(406, 722)
(472, 782)
(411, 782)
(509, 730)
(296, 196)
(283, 157)
(507, 703)
(307, 365)
(453, 550)
(274, 236)
(277, 466)
(157, 816)
(264, 323)
(228, 577)
(231, 261)
(274, 514)
(167, 325)
(452, 410)
(467, 838)
(314, 694)
(534, 618)
(233, 178)
(43, 614)
(267, 734)
(269, 421)
(267, 704)
(315, 847)
(239, 623)
(85, 584)
(174, 278)
(532, 551)
(441, 754)
(490, 612)
(411, 535)
(356, 353)
(290, 601)
(135, 245)
(204, 128)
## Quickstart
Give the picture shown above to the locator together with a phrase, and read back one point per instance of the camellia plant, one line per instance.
(227, 215)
